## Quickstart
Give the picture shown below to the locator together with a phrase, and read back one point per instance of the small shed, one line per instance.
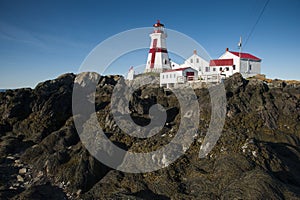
(171, 78)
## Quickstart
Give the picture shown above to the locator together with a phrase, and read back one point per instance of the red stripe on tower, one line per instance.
(153, 53)
(154, 50)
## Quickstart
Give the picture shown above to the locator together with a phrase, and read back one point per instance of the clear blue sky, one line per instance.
(40, 40)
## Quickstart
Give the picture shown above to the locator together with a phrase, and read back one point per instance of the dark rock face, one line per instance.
(257, 156)
(45, 191)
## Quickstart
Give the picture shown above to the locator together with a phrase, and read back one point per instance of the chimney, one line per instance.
(195, 51)
(227, 49)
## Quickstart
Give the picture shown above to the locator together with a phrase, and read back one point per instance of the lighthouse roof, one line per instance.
(158, 24)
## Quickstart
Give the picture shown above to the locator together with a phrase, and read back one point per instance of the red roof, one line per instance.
(246, 56)
(178, 69)
(221, 62)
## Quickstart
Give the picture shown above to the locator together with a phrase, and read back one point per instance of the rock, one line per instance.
(12, 188)
(84, 78)
(45, 191)
(10, 157)
(22, 171)
(16, 185)
(78, 192)
(20, 178)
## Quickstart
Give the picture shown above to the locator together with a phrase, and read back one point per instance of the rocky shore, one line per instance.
(256, 157)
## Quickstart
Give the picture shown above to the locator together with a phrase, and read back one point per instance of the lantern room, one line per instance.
(158, 27)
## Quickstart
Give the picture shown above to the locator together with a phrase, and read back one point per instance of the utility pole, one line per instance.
(240, 52)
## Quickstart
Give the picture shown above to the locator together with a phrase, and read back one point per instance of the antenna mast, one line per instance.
(240, 47)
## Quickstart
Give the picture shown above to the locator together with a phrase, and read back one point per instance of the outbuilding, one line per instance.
(171, 78)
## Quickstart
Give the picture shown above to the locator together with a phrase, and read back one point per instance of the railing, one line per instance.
(183, 79)
(211, 78)
(190, 78)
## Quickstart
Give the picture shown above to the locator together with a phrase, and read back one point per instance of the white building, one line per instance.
(173, 77)
(231, 62)
(195, 61)
(158, 59)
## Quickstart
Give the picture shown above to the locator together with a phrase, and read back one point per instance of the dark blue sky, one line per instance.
(40, 40)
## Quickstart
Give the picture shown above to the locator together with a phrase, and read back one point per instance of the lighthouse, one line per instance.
(158, 59)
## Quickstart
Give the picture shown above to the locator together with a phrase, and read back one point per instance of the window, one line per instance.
(166, 76)
(191, 60)
(233, 67)
(227, 68)
(214, 69)
(174, 75)
(163, 76)
(206, 69)
(166, 61)
(250, 67)
(197, 60)
(220, 68)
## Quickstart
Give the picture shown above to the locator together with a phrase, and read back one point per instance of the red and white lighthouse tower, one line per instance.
(158, 59)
